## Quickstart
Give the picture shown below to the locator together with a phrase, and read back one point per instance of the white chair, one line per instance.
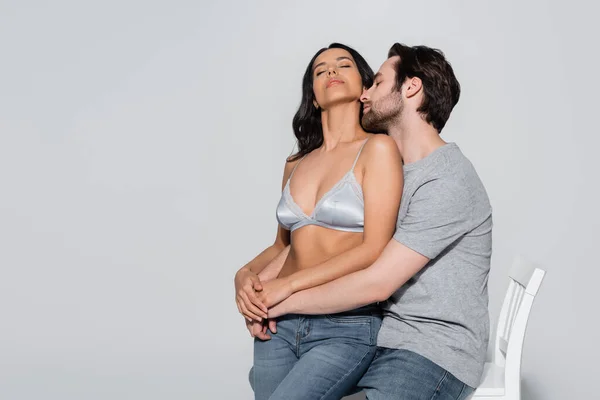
(502, 378)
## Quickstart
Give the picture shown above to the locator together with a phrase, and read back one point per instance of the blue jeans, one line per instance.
(405, 375)
(315, 357)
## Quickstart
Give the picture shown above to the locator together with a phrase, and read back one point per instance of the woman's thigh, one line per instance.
(335, 351)
(274, 358)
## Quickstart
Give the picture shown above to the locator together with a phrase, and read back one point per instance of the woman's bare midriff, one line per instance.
(311, 245)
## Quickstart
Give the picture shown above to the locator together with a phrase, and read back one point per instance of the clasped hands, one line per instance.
(254, 298)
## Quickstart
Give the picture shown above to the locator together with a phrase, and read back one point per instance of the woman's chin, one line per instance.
(342, 99)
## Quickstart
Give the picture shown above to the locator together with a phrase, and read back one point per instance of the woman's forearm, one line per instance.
(259, 262)
(271, 271)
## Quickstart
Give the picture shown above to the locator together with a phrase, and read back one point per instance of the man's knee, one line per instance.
(407, 375)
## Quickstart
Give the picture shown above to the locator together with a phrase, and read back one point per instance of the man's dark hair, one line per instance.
(441, 89)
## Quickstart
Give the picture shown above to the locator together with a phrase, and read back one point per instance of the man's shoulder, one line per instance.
(447, 177)
(453, 161)
(458, 170)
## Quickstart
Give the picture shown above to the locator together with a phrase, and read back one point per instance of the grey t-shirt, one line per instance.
(442, 312)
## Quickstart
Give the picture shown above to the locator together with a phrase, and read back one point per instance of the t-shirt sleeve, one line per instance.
(439, 213)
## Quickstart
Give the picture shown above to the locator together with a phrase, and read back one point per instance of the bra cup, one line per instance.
(352, 214)
(326, 212)
(285, 216)
(343, 209)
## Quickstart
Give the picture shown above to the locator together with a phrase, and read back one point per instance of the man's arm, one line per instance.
(396, 265)
(382, 188)
(440, 212)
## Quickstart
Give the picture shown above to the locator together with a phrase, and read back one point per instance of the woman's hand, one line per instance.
(247, 284)
(275, 291)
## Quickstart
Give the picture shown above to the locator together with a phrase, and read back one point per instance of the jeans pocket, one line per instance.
(349, 319)
(361, 329)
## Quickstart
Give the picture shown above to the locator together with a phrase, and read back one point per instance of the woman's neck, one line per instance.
(341, 125)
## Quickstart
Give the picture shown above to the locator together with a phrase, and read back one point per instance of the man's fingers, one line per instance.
(260, 332)
(273, 325)
(256, 283)
(251, 307)
(263, 336)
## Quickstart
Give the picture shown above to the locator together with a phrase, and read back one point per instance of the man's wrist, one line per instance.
(283, 308)
(277, 311)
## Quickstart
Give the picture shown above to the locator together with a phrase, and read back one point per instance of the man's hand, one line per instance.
(249, 305)
(259, 329)
(275, 291)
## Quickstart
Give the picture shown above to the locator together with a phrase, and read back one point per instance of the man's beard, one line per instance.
(383, 113)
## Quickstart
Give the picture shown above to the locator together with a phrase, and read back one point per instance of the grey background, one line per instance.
(141, 151)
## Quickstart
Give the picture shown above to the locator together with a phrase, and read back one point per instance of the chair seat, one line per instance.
(493, 382)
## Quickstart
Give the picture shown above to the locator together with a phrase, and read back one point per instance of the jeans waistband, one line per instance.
(370, 309)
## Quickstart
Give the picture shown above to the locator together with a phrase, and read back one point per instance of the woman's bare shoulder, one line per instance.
(290, 164)
(381, 145)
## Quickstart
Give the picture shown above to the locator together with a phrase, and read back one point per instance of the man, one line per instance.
(432, 276)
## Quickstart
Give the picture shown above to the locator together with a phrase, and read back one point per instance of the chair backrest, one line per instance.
(524, 283)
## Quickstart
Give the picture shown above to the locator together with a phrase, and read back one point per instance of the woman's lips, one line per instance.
(334, 81)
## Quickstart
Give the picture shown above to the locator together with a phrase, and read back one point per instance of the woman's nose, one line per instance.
(331, 71)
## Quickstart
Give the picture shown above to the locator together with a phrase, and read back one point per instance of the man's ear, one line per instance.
(412, 86)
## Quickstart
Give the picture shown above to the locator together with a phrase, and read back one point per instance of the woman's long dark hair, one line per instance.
(307, 121)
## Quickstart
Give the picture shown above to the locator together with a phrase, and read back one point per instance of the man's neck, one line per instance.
(416, 139)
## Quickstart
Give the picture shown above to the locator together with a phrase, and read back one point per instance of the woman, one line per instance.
(338, 209)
